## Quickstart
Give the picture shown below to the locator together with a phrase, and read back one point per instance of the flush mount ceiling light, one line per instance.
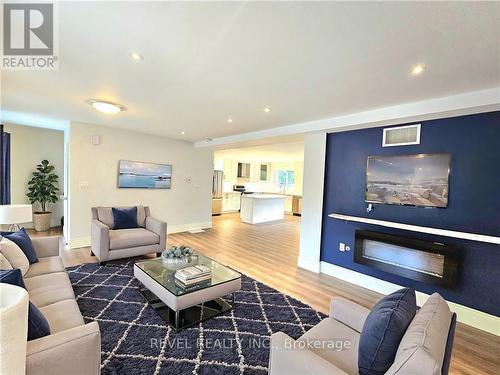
(418, 69)
(106, 107)
(267, 110)
(136, 56)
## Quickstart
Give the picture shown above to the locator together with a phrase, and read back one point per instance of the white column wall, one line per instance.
(312, 201)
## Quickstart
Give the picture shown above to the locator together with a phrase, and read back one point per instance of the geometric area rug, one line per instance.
(135, 340)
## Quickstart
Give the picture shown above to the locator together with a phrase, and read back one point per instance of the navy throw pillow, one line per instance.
(12, 277)
(383, 330)
(38, 326)
(21, 239)
(125, 218)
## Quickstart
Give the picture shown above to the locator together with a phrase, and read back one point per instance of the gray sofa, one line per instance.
(73, 347)
(424, 349)
(109, 244)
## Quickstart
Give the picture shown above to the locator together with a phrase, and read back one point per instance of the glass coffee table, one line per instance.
(182, 307)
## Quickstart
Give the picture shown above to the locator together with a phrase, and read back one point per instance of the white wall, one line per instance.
(29, 146)
(312, 201)
(93, 172)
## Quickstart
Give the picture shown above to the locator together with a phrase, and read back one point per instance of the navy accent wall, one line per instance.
(473, 205)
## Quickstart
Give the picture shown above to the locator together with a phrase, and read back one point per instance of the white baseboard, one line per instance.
(53, 224)
(466, 315)
(309, 265)
(76, 243)
(187, 227)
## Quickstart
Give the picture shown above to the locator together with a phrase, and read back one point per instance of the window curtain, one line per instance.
(4, 167)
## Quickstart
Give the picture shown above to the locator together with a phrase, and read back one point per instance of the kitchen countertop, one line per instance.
(284, 194)
(266, 193)
(263, 196)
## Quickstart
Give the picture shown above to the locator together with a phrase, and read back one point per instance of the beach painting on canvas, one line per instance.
(134, 174)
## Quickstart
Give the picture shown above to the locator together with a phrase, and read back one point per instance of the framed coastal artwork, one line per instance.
(139, 175)
(410, 180)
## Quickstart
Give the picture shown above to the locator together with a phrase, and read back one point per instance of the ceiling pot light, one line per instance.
(106, 107)
(136, 56)
(418, 69)
(267, 110)
(229, 120)
(183, 133)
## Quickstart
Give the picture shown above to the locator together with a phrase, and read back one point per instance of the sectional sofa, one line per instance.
(73, 346)
(425, 348)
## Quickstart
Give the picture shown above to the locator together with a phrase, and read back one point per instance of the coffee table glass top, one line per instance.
(164, 273)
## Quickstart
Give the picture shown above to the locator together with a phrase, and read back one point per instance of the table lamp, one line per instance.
(14, 214)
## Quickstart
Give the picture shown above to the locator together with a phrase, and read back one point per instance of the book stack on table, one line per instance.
(192, 275)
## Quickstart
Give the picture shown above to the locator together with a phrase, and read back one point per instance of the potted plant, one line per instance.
(42, 188)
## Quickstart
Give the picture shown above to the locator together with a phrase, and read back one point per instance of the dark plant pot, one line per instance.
(42, 221)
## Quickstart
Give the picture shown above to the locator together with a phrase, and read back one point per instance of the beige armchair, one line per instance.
(331, 347)
(109, 244)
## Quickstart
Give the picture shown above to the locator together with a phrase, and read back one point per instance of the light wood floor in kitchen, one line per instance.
(268, 253)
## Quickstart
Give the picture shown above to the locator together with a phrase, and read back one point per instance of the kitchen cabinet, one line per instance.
(243, 170)
(236, 200)
(226, 205)
(297, 205)
(230, 168)
(264, 172)
(261, 208)
(288, 203)
(231, 202)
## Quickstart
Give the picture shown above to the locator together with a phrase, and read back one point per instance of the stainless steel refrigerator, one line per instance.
(217, 193)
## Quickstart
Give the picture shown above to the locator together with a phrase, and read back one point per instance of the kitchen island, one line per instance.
(261, 208)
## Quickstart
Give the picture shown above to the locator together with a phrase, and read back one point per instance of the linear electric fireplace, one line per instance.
(425, 261)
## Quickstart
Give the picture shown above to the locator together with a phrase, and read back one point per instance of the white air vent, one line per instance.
(401, 136)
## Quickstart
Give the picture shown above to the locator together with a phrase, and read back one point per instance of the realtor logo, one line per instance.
(28, 36)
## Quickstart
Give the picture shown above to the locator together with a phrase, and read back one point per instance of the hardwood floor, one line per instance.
(269, 252)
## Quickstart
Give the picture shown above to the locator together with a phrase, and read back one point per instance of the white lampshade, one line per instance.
(15, 213)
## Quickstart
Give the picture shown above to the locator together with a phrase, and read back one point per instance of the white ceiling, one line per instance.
(275, 153)
(207, 61)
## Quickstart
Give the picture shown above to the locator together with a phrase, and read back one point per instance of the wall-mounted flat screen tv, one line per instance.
(413, 180)
(134, 174)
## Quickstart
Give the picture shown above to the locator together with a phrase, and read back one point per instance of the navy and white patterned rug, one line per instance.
(135, 340)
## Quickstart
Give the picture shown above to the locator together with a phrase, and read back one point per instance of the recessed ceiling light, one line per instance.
(106, 107)
(418, 69)
(229, 120)
(183, 133)
(267, 110)
(136, 56)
